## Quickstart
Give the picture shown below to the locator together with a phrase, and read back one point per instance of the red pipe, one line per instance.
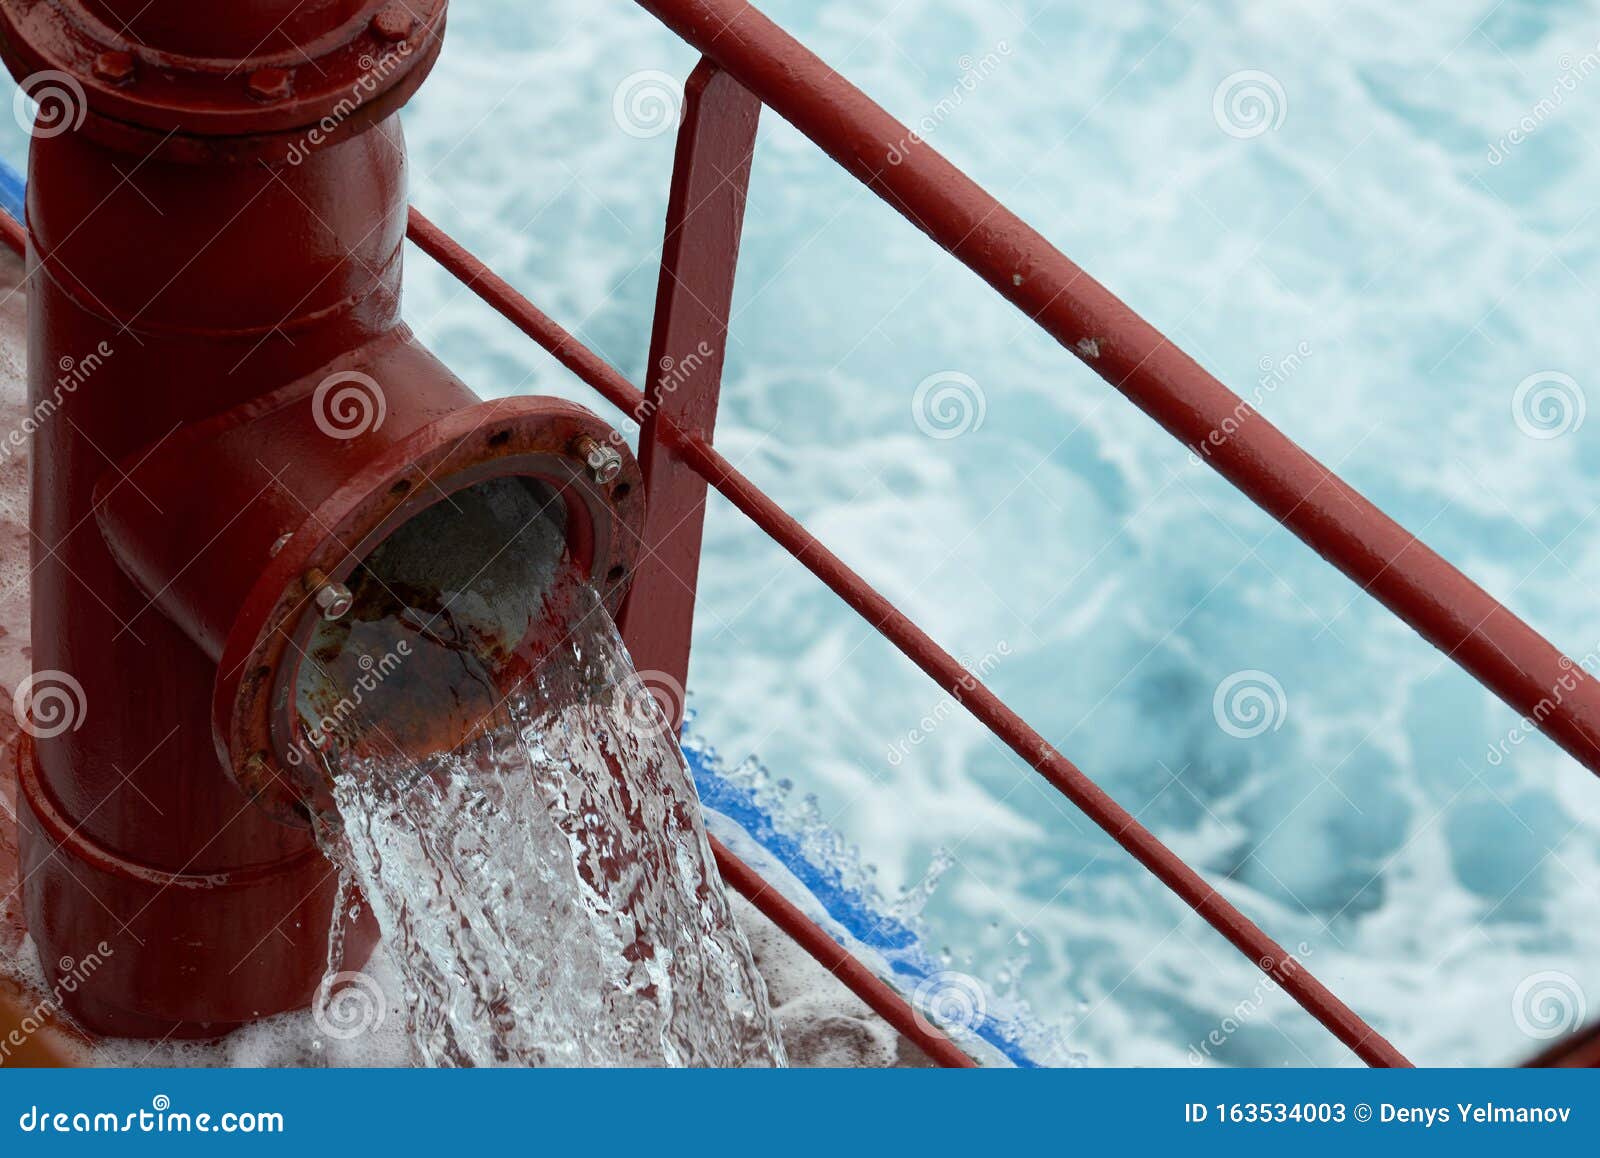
(989, 709)
(231, 417)
(253, 28)
(1443, 605)
(132, 833)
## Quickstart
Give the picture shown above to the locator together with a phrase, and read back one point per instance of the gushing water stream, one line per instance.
(544, 883)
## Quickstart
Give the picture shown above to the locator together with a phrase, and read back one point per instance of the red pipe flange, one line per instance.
(256, 79)
(233, 526)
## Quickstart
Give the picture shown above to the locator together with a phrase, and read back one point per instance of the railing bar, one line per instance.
(1066, 777)
(527, 317)
(920, 648)
(688, 345)
(13, 235)
(1450, 611)
(861, 981)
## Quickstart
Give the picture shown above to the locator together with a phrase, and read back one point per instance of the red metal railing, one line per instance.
(749, 62)
(714, 469)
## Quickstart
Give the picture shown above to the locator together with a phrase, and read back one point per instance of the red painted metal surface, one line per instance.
(132, 833)
(13, 235)
(1579, 1051)
(250, 79)
(196, 484)
(1443, 605)
(1271, 957)
(700, 253)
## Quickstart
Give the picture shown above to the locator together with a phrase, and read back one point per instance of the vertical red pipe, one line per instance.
(179, 267)
(172, 297)
(699, 256)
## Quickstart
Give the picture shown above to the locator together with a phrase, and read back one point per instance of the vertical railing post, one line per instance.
(705, 218)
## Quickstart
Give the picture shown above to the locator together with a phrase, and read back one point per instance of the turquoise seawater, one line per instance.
(1375, 220)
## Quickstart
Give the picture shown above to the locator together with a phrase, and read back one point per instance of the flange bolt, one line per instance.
(115, 67)
(270, 84)
(393, 23)
(332, 599)
(604, 463)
